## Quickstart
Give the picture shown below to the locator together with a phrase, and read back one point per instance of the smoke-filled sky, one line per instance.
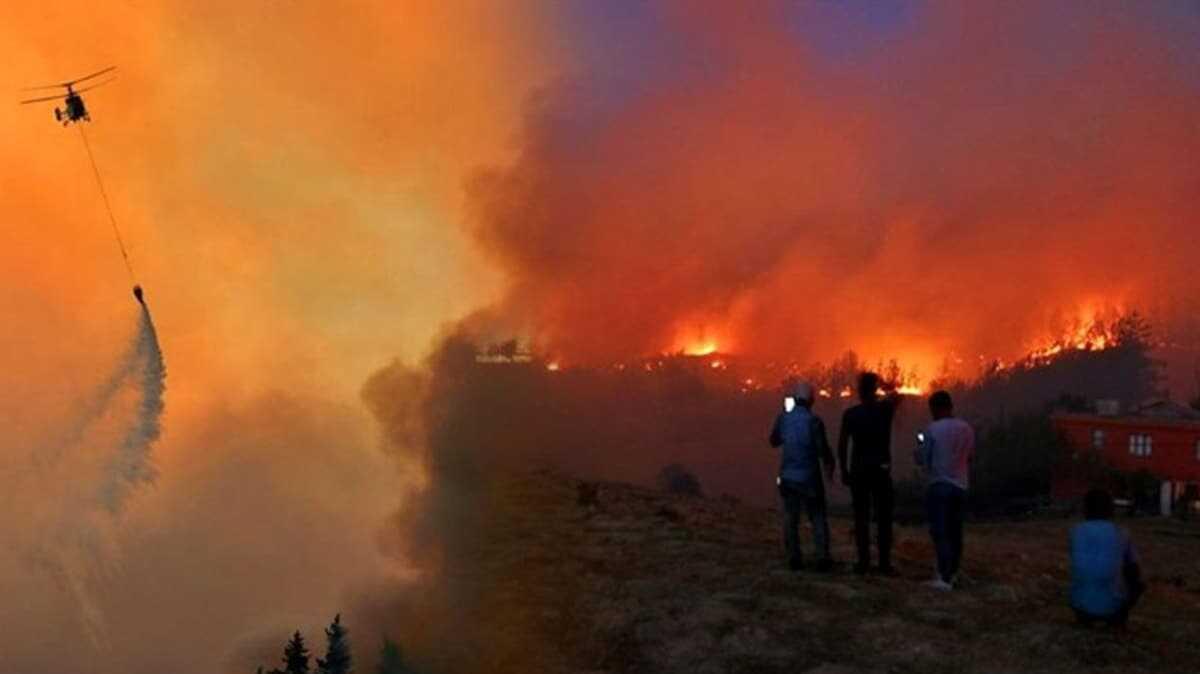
(310, 190)
(288, 178)
(904, 179)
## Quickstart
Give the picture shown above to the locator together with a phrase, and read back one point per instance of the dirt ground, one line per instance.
(603, 577)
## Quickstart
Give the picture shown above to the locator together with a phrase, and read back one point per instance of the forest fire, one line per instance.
(1092, 331)
(774, 268)
(703, 347)
(1094, 337)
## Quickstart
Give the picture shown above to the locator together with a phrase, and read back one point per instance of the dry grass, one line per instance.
(610, 577)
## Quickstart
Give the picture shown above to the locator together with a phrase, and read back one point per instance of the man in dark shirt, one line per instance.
(867, 427)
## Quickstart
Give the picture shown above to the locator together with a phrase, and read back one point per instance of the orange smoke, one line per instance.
(288, 177)
(952, 190)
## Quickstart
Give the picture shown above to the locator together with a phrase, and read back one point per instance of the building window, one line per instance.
(1141, 444)
(1098, 439)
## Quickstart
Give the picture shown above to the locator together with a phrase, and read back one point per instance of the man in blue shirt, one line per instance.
(801, 434)
(1105, 576)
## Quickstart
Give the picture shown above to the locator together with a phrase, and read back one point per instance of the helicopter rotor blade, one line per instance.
(48, 86)
(39, 100)
(98, 84)
(71, 82)
(95, 74)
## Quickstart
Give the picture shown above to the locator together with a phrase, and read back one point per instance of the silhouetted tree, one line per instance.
(1126, 372)
(508, 349)
(391, 659)
(295, 655)
(1132, 329)
(843, 372)
(892, 374)
(1015, 461)
(337, 650)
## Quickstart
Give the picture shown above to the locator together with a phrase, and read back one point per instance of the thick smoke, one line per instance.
(289, 255)
(467, 427)
(947, 183)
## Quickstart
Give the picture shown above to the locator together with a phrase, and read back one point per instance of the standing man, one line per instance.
(946, 452)
(801, 434)
(867, 471)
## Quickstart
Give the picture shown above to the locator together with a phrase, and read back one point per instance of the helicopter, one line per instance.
(73, 109)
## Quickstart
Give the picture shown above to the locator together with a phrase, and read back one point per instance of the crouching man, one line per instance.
(1106, 579)
(805, 451)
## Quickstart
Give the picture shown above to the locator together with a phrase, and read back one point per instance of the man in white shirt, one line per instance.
(945, 452)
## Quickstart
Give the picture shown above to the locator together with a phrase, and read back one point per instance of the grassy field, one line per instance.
(601, 577)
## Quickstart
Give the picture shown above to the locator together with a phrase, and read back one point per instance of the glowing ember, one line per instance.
(701, 349)
(553, 367)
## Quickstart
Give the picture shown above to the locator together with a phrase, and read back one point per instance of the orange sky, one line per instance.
(288, 180)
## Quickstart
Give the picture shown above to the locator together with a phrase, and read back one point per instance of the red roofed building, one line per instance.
(1161, 438)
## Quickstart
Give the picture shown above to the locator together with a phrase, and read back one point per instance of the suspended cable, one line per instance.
(107, 206)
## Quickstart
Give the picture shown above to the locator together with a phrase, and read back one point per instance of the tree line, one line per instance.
(338, 659)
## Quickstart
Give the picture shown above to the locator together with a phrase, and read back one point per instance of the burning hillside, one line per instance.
(481, 409)
(747, 196)
(1092, 332)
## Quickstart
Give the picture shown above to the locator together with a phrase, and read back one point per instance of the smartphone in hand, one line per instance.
(789, 404)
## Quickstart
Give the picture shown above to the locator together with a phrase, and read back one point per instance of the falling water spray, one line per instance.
(131, 464)
(115, 433)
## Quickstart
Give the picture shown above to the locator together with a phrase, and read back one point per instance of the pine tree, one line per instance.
(295, 655)
(337, 652)
(391, 659)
